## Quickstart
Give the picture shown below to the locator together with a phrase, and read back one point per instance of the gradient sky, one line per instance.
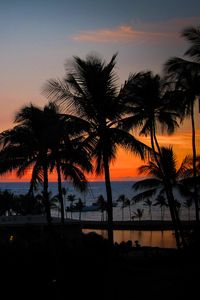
(38, 37)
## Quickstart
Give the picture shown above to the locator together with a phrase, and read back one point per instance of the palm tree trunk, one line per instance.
(109, 199)
(194, 164)
(60, 195)
(46, 195)
(169, 194)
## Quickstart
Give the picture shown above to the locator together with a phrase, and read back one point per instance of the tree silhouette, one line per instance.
(148, 202)
(156, 185)
(90, 92)
(26, 147)
(184, 78)
(161, 201)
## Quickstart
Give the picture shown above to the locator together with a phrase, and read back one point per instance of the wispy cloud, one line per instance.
(123, 33)
(142, 32)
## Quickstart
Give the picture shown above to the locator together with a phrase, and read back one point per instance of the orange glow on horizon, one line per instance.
(126, 165)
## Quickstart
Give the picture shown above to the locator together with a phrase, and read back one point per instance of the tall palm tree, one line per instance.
(184, 78)
(156, 184)
(148, 106)
(42, 140)
(89, 91)
(67, 153)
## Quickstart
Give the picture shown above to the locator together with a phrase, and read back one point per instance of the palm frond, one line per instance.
(144, 195)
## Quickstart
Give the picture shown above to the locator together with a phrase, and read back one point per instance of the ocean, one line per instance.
(94, 190)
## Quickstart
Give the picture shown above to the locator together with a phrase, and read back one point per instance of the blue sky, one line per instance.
(37, 37)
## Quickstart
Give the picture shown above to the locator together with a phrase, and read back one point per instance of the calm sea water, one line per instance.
(163, 239)
(94, 190)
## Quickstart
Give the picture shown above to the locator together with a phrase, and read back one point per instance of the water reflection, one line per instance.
(163, 239)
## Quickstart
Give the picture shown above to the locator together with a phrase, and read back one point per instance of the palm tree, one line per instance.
(122, 199)
(184, 76)
(139, 213)
(148, 106)
(68, 155)
(53, 145)
(148, 202)
(128, 204)
(71, 198)
(102, 205)
(90, 91)
(79, 206)
(161, 201)
(156, 184)
(26, 147)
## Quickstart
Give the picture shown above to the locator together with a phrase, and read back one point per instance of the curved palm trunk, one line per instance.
(170, 197)
(60, 194)
(194, 164)
(109, 199)
(46, 195)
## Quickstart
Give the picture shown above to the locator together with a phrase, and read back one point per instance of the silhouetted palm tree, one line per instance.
(128, 204)
(102, 205)
(51, 146)
(184, 76)
(139, 213)
(148, 106)
(71, 198)
(79, 207)
(26, 147)
(148, 202)
(67, 154)
(156, 184)
(122, 200)
(90, 92)
(162, 203)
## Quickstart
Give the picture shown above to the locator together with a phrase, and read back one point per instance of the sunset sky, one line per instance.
(38, 37)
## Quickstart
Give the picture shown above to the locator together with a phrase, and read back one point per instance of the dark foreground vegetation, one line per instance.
(51, 267)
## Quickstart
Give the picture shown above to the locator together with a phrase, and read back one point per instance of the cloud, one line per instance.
(169, 29)
(124, 33)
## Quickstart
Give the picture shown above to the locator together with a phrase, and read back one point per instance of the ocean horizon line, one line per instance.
(89, 181)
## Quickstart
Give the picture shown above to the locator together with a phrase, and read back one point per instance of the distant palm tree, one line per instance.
(79, 207)
(122, 200)
(102, 205)
(138, 214)
(148, 202)
(161, 201)
(184, 76)
(90, 92)
(71, 198)
(128, 204)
